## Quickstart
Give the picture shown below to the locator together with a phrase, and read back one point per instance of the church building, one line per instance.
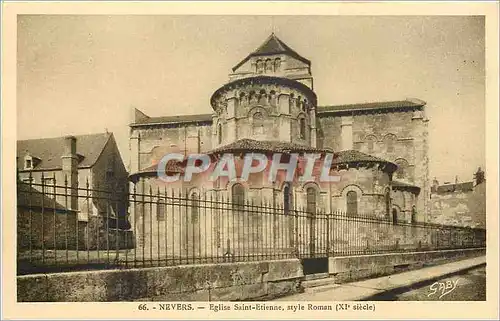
(269, 105)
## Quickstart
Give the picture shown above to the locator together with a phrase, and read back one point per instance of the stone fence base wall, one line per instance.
(203, 282)
(353, 268)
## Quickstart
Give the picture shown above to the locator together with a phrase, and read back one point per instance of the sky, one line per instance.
(79, 74)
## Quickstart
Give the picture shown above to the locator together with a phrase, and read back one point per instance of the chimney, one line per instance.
(70, 170)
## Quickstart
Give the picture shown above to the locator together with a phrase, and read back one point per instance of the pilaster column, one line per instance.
(312, 116)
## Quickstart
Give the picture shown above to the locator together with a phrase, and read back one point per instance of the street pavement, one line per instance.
(461, 280)
(470, 286)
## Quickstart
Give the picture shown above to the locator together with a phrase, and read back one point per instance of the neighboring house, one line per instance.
(269, 105)
(462, 204)
(61, 176)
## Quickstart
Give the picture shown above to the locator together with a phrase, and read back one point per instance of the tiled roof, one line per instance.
(347, 156)
(50, 150)
(251, 145)
(414, 103)
(451, 188)
(403, 185)
(273, 45)
(172, 167)
(173, 120)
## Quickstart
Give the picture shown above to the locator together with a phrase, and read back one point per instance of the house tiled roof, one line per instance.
(172, 120)
(386, 105)
(50, 150)
(251, 145)
(451, 188)
(273, 45)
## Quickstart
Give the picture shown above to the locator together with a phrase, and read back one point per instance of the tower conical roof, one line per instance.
(273, 45)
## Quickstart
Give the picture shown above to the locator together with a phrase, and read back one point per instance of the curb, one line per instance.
(405, 288)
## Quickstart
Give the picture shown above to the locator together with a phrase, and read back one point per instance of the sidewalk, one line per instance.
(363, 290)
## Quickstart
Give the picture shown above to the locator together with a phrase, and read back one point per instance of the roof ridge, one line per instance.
(373, 158)
(276, 39)
(282, 47)
(49, 150)
(414, 102)
(59, 137)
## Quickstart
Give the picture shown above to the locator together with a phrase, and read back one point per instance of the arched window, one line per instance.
(219, 134)
(394, 216)
(297, 102)
(258, 124)
(352, 203)
(390, 141)
(302, 128)
(413, 214)
(287, 198)
(272, 98)
(238, 197)
(311, 200)
(277, 64)
(370, 141)
(252, 97)
(260, 66)
(194, 207)
(269, 65)
(243, 101)
(402, 166)
(387, 202)
(262, 97)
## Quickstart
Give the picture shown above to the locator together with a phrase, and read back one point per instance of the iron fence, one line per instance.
(70, 227)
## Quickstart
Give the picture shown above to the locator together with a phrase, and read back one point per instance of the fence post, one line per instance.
(327, 216)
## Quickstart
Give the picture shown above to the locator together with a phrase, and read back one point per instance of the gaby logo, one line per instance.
(304, 168)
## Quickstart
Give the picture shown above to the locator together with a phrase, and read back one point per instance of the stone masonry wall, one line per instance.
(464, 209)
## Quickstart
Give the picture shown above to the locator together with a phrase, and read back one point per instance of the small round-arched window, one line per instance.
(269, 65)
(258, 123)
(311, 201)
(352, 203)
(238, 197)
(302, 130)
(413, 214)
(394, 216)
(390, 141)
(277, 64)
(260, 66)
(370, 142)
